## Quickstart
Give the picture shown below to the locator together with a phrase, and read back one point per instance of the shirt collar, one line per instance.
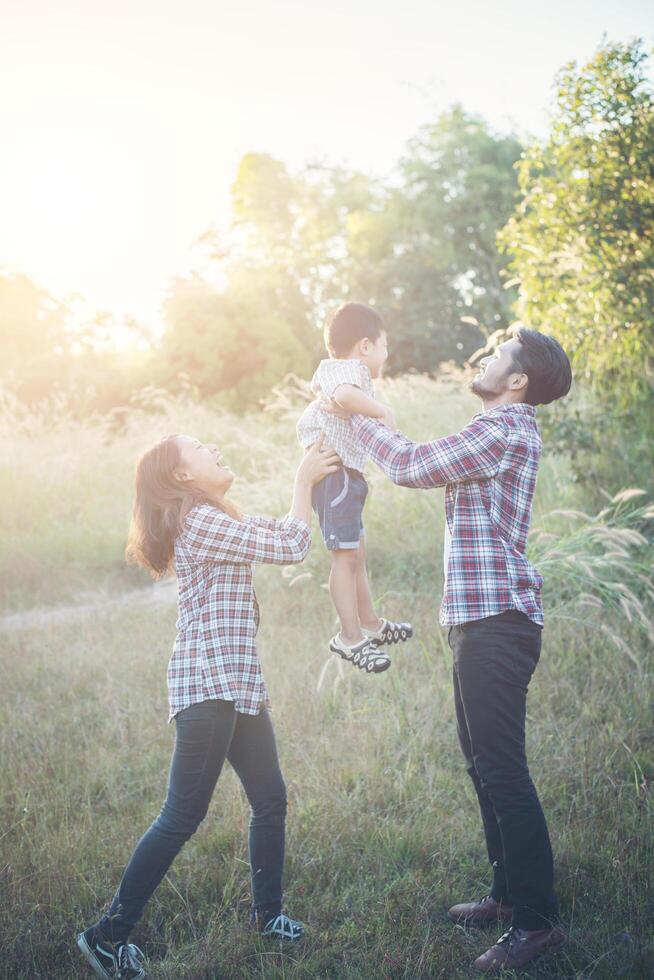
(521, 408)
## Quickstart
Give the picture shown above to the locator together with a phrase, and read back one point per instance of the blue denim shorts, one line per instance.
(338, 501)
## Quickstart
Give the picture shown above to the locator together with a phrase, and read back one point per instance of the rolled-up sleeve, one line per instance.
(209, 534)
(334, 373)
(474, 453)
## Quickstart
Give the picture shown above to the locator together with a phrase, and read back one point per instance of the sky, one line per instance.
(123, 122)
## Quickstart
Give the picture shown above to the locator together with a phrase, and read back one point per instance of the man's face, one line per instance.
(498, 372)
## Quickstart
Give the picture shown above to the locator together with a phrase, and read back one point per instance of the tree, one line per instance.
(233, 343)
(457, 189)
(420, 247)
(32, 336)
(582, 236)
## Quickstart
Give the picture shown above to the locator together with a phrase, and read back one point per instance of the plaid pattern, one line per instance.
(489, 474)
(315, 421)
(215, 653)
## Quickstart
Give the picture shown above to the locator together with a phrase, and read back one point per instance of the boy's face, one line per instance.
(373, 353)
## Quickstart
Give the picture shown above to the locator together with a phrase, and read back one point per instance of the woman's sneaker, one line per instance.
(389, 632)
(363, 655)
(113, 961)
(280, 927)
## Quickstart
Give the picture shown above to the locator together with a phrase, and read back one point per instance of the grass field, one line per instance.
(383, 829)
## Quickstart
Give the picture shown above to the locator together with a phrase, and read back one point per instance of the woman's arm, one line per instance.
(209, 534)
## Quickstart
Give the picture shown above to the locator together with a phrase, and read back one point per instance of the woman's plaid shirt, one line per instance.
(215, 653)
(489, 474)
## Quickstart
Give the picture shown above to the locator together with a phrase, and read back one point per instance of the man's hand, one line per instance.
(388, 418)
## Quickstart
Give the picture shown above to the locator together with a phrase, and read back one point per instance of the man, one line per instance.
(492, 606)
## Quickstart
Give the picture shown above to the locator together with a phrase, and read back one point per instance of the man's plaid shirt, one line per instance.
(215, 653)
(489, 474)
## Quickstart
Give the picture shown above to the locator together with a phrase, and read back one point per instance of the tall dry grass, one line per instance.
(383, 826)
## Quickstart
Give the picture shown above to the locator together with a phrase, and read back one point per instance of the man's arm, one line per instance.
(474, 453)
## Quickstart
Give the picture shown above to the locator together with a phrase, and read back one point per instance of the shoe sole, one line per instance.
(550, 950)
(90, 958)
(372, 669)
(282, 939)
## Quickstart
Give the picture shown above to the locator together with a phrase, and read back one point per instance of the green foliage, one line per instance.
(582, 237)
(32, 335)
(421, 247)
(444, 288)
(608, 444)
(233, 343)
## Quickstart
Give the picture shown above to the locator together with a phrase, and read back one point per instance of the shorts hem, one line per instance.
(342, 545)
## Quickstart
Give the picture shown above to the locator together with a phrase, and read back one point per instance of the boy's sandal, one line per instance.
(363, 655)
(389, 632)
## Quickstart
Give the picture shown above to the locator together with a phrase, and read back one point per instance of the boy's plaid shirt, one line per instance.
(215, 653)
(489, 474)
(315, 421)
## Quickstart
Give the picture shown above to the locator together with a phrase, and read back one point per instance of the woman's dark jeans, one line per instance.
(494, 659)
(207, 734)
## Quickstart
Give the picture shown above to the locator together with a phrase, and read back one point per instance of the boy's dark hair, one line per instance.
(351, 323)
(546, 365)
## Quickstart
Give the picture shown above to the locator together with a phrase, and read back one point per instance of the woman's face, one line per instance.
(201, 464)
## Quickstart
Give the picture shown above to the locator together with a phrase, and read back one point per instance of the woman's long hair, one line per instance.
(160, 506)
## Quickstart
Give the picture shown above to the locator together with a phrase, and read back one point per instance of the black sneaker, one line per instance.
(280, 927)
(389, 632)
(113, 961)
(363, 655)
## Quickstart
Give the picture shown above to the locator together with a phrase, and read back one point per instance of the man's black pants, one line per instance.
(494, 659)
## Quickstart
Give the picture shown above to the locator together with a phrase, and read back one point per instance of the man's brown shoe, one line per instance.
(517, 947)
(486, 912)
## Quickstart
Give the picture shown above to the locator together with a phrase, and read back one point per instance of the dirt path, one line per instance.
(94, 603)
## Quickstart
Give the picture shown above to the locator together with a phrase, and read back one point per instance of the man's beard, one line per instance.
(477, 387)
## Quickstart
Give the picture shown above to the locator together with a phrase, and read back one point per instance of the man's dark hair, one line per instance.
(351, 323)
(546, 365)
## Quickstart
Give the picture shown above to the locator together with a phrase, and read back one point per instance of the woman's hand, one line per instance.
(317, 463)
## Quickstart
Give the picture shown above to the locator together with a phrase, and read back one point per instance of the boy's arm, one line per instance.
(353, 400)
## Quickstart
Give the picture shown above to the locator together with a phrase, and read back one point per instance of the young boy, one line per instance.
(356, 341)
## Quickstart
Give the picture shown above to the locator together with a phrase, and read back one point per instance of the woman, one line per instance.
(217, 694)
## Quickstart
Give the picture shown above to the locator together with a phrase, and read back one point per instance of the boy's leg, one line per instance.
(343, 590)
(368, 618)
